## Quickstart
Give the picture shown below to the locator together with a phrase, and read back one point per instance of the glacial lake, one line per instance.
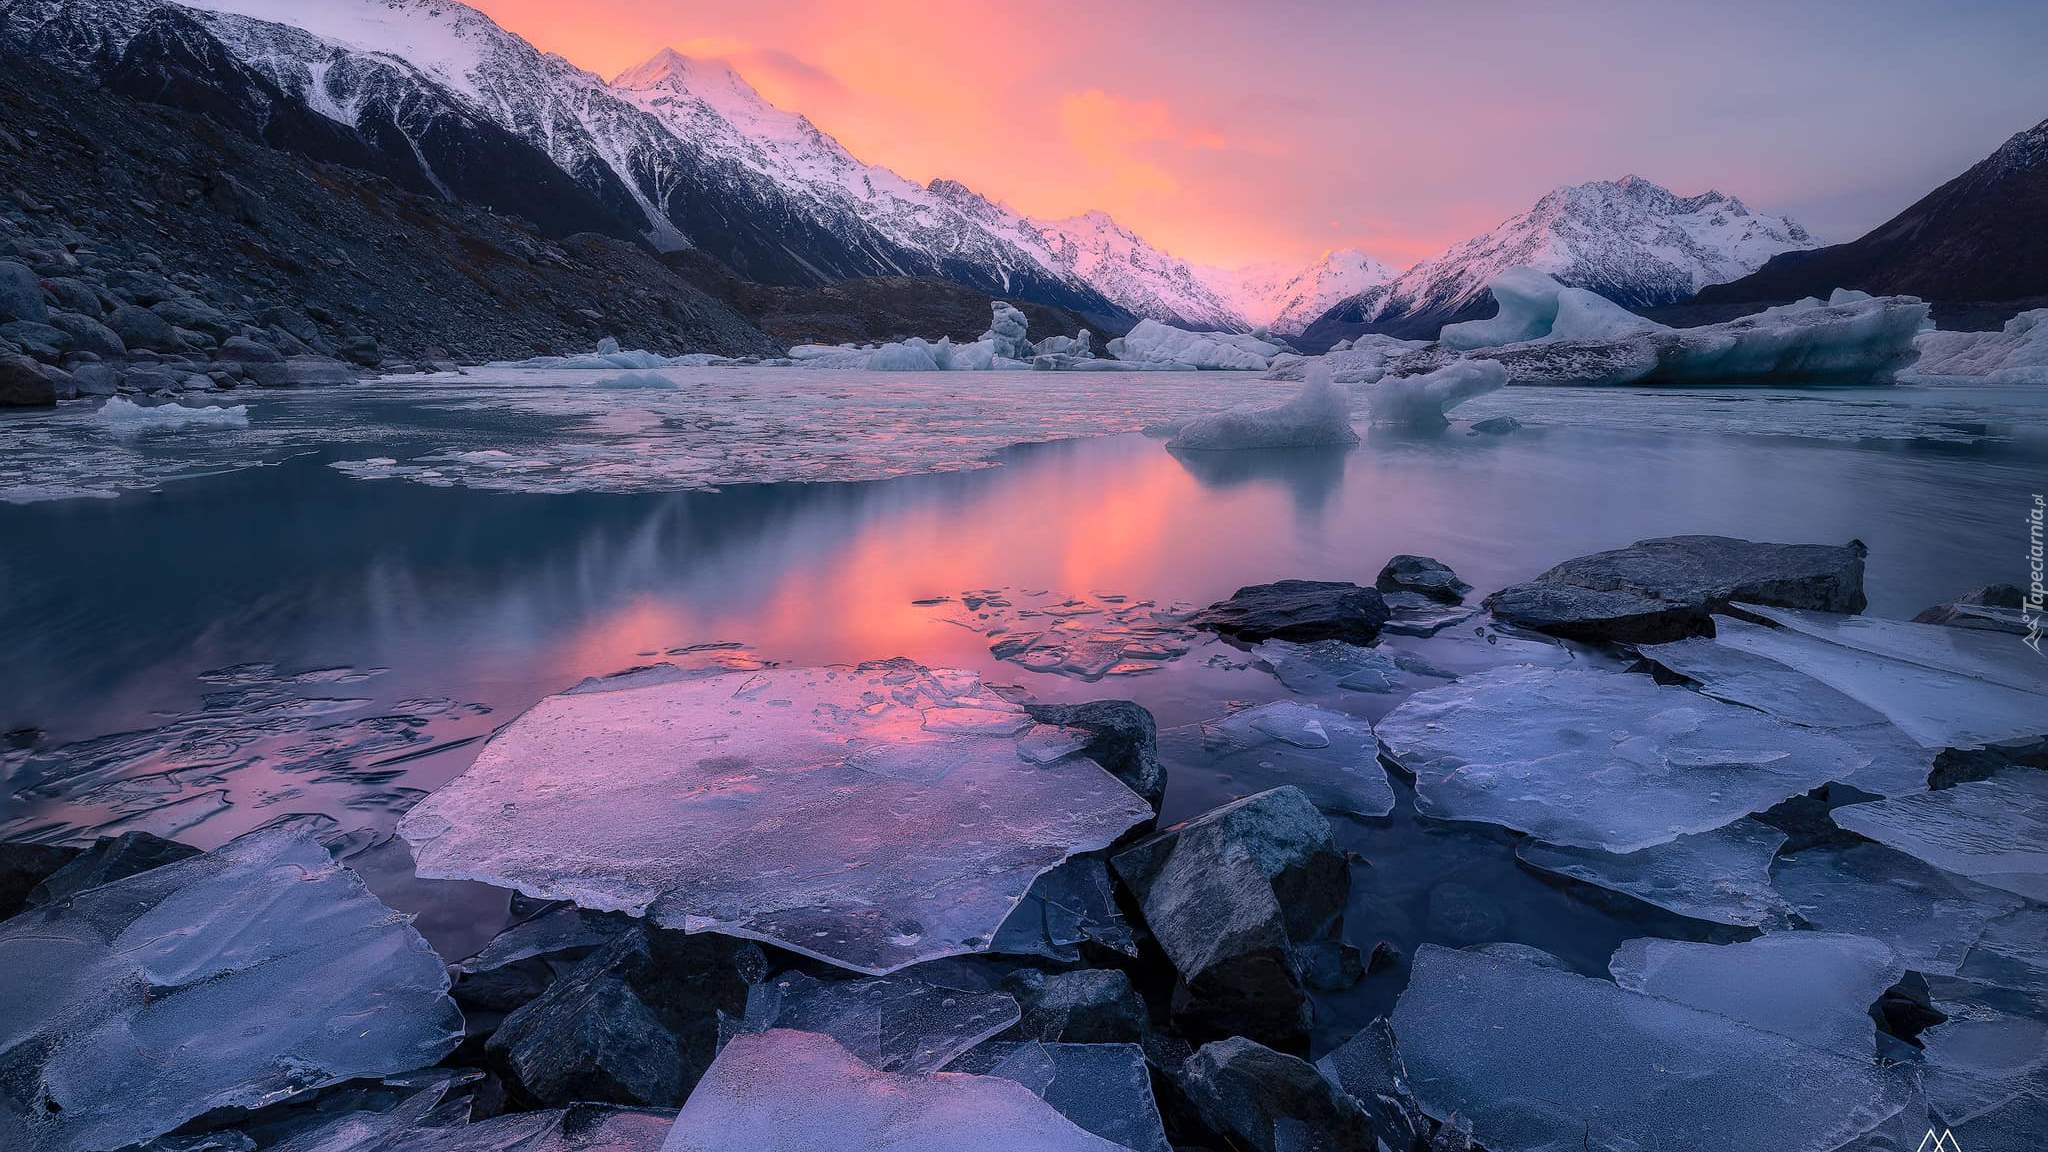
(327, 611)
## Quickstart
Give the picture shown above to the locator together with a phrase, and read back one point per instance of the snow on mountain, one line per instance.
(1630, 240)
(1136, 275)
(1287, 299)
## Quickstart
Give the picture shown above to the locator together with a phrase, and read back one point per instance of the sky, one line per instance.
(1232, 133)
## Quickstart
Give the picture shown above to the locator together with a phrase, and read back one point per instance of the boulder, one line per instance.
(21, 293)
(1497, 425)
(74, 295)
(1668, 589)
(139, 287)
(1088, 1006)
(138, 327)
(22, 867)
(1230, 895)
(316, 370)
(22, 383)
(1423, 575)
(243, 350)
(109, 859)
(185, 312)
(1301, 610)
(96, 379)
(1125, 741)
(361, 350)
(1993, 608)
(89, 335)
(1253, 1098)
(41, 341)
(291, 321)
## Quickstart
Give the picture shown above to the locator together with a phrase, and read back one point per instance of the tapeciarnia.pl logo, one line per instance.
(1943, 1141)
(2035, 591)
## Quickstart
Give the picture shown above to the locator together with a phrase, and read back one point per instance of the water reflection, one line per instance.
(1310, 476)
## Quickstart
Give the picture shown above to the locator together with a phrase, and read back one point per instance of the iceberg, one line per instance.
(1103, 1088)
(1814, 987)
(1318, 415)
(1723, 876)
(1606, 760)
(788, 1091)
(1421, 401)
(1541, 1060)
(1162, 344)
(869, 816)
(1929, 917)
(1008, 332)
(610, 356)
(638, 381)
(1993, 831)
(1535, 307)
(895, 1023)
(232, 979)
(1330, 755)
(2016, 354)
(124, 417)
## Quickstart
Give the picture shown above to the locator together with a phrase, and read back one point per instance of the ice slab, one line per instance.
(1084, 636)
(1540, 1060)
(124, 417)
(1151, 342)
(1330, 755)
(1993, 831)
(235, 978)
(412, 1128)
(786, 1091)
(1104, 1088)
(1532, 306)
(1723, 876)
(1604, 760)
(2016, 354)
(1928, 916)
(870, 816)
(1068, 905)
(1318, 415)
(2012, 952)
(1992, 1048)
(895, 1023)
(557, 929)
(1327, 667)
(1421, 401)
(1815, 987)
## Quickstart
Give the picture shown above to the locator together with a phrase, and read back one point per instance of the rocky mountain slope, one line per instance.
(1286, 299)
(1982, 236)
(1141, 278)
(1630, 240)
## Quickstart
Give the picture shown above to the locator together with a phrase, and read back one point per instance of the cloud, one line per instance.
(1115, 134)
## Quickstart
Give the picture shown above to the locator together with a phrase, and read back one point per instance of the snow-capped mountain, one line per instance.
(1630, 240)
(1286, 299)
(1136, 275)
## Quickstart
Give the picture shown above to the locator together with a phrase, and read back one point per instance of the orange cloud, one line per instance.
(1110, 132)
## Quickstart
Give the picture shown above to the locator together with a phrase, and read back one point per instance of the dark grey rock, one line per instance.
(1229, 896)
(23, 866)
(1126, 741)
(360, 350)
(1088, 1006)
(89, 335)
(96, 379)
(1497, 425)
(1303, 610)
(1667, 589)
(1993, 608)
(139, 287)
(21, 293)
(1330, 965)
(22, 383)
(291, 321)
(1259, 1100)
(242, 350)
(1368, 1069)
(310, 370)
(42, 341)
(74, 295)
(138, 327)
(185, 312)
(109, 859)
(1423, 575)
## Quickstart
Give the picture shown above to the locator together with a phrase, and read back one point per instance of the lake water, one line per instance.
(325, 612)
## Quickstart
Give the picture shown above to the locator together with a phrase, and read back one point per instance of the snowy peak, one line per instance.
(1286, 299)
(1134, 274)
(715, 82)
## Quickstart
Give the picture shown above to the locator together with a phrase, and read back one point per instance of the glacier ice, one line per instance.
(1532, 306)
(895, 1023)
(1722, 876)
(1815, 987)
(1104, 1088)
(1931, 918)
(1326, 666)
(1421, 401)
(235, 978)
(1151, 342)
(2016, 354)
(789, 1091)
(124, 417)
(1330, 755)
(1008, 331)
(1607, 760)
(1541, 1060)
(884, 813)
(1319, 414)
(1993, 831)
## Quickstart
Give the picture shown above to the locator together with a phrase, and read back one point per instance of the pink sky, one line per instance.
(1229, 133)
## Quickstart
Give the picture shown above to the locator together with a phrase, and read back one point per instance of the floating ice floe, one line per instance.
(1166, 346)
(1360, 361)
(788, 1091)
(1605, 760)
(1068, 905)
(1421, 401)
(1985, 1069)
(610, 355)
(1541, 1060)
(1722, 876)
(1931, 918)
(894, 1023)
(1330, 755)
(124, 417)
(1815, 987)
(638, 382)
(559, 929)
(424, 1123)
(2016, 354)
(1086, 637)
(1317, 416)
(1532, 306)
(872, 816)
(1993, 831)
(1103, 1088)
(231, 979)
(1328, 666)
(1006, 345)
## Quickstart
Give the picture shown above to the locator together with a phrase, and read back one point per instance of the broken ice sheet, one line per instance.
(1723, 876)
(556, 929)
(1083, 637)
(577, 1128)
(1325, 667)
(1072, 903)
(872, 817)
(895, 1023)
(1541, 1060)
(116, 1016)
(1992, 1048)
(788, 1091)
(1330, 755)
(1815, 987)
(1104, 1088)
(1993, 831)
(1604, 760)
(1928, 916)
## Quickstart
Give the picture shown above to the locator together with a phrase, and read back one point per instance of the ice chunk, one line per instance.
(895, 1023)
(1992, 1048)
(638, 382)
(124, 417)
(1927, 916)
(1421, 401)
(2016, 354)
(1330, 755)
(1008, 331)
(1815, 987)
(1540, 1060)
(872, 816)
(1605, 760)
(912, 355)
(1319, 414)
(230, 979)
(1723, 876)
(1993, 831)
(786, 1091)
(2010, 954)
(412, 1128)
(1326, 666)
(1535, 307)
(558, 929)
(1104, 1088)
(1070, 904)
(1154, 343)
